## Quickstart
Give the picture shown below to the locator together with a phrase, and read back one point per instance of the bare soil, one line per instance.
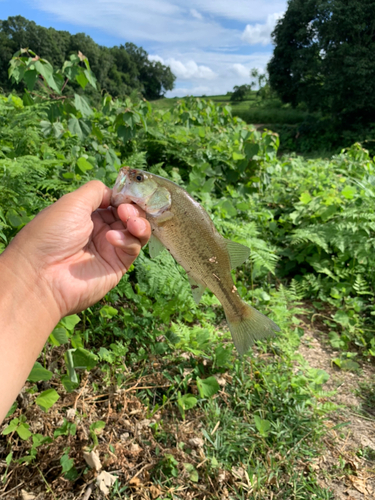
(348, 466)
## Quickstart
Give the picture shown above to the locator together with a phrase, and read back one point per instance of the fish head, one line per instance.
(143, 189)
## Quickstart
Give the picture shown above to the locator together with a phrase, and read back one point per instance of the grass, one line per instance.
(253, 437)
(251, 110)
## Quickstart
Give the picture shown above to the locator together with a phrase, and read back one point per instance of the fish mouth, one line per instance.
(118, 197)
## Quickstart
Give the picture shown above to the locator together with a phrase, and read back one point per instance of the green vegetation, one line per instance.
(146, 379)
(253, 109)
(324, 57)
(324, 60)
(119, 70)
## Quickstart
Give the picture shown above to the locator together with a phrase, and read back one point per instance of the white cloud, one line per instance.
(186, 71)
(231, 70)
(241, 70)
(150, 21)
(207, 53)
(240, 10)
(261, 33)
(196, 14)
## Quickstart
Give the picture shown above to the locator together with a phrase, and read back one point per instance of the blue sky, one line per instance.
(210, 45)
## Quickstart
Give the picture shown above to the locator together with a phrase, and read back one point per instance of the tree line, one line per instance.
(324, 57)
(120, 70)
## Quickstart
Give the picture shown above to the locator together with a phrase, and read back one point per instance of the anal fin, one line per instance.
(196, 289)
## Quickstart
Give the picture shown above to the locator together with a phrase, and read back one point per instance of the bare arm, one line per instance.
(62, 262)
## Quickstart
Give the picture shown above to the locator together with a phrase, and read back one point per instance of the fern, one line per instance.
(163, 277)
(262, 254)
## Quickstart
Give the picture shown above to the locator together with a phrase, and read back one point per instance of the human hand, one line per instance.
(78, 248)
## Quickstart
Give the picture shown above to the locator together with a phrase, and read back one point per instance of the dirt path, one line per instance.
(348, 467)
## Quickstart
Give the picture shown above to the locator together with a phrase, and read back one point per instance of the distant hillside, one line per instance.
(119, 70)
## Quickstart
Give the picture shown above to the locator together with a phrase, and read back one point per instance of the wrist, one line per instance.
(28, 314)
(27, 286)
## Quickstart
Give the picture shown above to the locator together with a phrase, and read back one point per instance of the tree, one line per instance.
(119, 70)
(240, 92)
(324, 57)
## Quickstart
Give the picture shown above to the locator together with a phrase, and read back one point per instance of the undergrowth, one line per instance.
(146, 378)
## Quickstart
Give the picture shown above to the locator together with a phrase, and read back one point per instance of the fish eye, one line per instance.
(139, 177)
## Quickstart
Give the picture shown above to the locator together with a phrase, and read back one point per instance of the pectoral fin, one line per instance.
(164, 217)
(196, 289)
(155, 246)
(237, 253)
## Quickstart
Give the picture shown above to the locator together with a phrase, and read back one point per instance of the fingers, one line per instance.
(128, 242)
(126, 210)
(125, 241)
(94, 194)
(133, 218)
(137, 227)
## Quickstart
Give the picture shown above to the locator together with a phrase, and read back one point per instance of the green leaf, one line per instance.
(348, 192)
(81, 79)
(23, 431)
(319, 376)
(75, 127)
(305, 198)
(47, 399)
(45, 69)
(90, 77)
(263, 426)
(251, 149)
(82, 105)
(125, 133)
(66, 463)
(238, 156)
(30, 78)
(13, 408)
(68, 384)
(69, 322)
(207, 387)
(108, 312)
(8, 458)
(223, 356)
(106, 355)
(227, 205)
(59, 336)
(27, 99)
(342, 318)
(97, 427)
(84, 359)
(13, 424)
(58, 130)
(38, 373)
(187, 401)
(192, 471)
(350, 365)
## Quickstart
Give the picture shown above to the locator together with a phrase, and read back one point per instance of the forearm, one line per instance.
(28, 314)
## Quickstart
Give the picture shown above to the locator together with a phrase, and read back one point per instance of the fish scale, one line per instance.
(181, 224)
(207, 264)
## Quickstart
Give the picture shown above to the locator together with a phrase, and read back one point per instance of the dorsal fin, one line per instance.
(237, 253)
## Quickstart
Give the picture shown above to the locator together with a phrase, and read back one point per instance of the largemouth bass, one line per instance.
(184, 228)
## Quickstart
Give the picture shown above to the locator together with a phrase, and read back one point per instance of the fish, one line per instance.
(182, 226)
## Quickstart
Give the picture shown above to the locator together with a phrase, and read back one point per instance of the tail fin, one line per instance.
(248, 327)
